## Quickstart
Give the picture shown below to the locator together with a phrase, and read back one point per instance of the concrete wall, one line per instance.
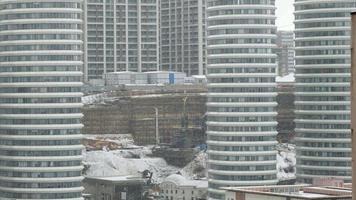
(263, 197)
(135, 114)
(174, 192)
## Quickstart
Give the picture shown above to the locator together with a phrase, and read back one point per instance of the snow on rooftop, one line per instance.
(199, 76)
(126, 72)
(310, 195)
(95, 98)
(288, 78)
(118, 178)
(180, 180)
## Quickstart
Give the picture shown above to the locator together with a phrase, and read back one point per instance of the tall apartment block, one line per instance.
(285, 52)
(241, 94)
(323, 60)
(121, 35)
(183, 36)
(40, 99)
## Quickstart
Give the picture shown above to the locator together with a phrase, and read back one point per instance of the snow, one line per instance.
(311, 195)
(126, 162)
(94, 98)
(133, 160)
(286, 162)
(196, 168)
(119, 178)
(199, 76)
(288, 78)
(180, 180)
(124, 140)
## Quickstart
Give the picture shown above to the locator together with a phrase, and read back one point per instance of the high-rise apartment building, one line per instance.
(40, 99)
(285, 52)
(241, 94)
(323, 88)
(183, 36)
(121, 35)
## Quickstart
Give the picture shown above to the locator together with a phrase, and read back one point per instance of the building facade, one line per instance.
(121, 35)
(241, 94)
(323, 88)
(40, 99)
(183, 36)
(177, 187)
(285, 52)
(290, 192)
(118, 187)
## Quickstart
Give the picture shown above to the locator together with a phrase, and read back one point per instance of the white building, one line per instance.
(323, 65)
(40, 99)
(176, 187)
(122, 78)
(241, 94)
(183, 36)
(121, 35)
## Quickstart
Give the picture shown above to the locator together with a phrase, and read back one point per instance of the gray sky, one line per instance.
(284, 14)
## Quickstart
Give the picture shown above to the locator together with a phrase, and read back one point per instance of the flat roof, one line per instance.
(116, 179)
(296, 191)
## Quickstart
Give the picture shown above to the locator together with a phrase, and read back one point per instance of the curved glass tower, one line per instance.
(241, 97)
(40, 99)
(322, 88)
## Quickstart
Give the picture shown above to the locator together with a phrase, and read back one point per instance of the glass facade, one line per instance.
(241, 94)
(323, 63)
(40, 99)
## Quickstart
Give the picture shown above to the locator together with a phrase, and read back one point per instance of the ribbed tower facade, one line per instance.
(241, 97)
(40, 99)
(322, 88)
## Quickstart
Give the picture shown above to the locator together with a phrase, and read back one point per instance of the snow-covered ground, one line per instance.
(135, 159)
(286, 162)
(126, 162)
(197, 167)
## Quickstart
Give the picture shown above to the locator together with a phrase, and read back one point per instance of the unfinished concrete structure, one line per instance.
(133, 112)
(285, 108)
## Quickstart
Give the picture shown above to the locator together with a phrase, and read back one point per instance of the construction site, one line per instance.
(168, 115)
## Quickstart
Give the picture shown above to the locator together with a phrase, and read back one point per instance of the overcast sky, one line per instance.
(284, 14)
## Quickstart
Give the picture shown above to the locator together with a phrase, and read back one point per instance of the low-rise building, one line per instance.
(289, 192)
(118, 188)
(165, 77)
(177, 187)
(123, 78)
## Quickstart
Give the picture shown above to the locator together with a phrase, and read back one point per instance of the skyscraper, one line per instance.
(121, 35)
(40, 99)
(183, 36)
(285, 52)
(323, 88)
(241, 94)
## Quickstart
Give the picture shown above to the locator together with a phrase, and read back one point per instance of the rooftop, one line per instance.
(181, 181)
(297, 191)
(116, 179)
